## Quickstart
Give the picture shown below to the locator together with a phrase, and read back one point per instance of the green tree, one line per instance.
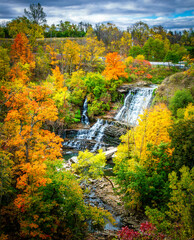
(177, 220)
(154, 49)
(36, 14)
(135, 50)
(4, 62)
(180, 99)
(182, 137)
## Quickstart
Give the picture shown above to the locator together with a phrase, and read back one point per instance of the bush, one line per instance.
(147, 232)
(180, 99)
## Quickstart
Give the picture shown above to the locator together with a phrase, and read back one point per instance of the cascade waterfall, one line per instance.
(135, 102)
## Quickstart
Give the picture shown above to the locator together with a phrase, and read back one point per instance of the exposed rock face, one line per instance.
(113, 133)
(126, 87)
(171, 84)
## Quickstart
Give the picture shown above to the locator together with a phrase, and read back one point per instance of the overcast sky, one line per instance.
(171, 14)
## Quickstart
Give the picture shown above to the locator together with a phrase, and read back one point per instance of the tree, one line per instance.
(91, 166)
(71, 56)
(115, 68)
(154, 50)
(93, 50)
(22, 59)
(182, 139)
(4, 63)
(125, 44)
(177, 220)
(135, 50)
(21, 50)
(180, 99)
(143, 160)
(36, 14)
(23, 25)
(140, 33)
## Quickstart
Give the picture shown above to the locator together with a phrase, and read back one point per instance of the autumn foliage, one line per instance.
(115, 68)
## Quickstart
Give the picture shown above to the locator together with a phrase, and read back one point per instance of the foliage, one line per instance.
(143, 161)
(154, 50)
(90, 165)
(182, 139)
(145, 185)
(36, 14)
(4, 63)
(77, 87)
(139, 69)
(92, 50)
(23, 25)
(71, 59)
(115, 68)
(147, 231)
(21, 50)
(95, 84)
(42, 68)
(180, 99)
(135, 51)
(177, 221)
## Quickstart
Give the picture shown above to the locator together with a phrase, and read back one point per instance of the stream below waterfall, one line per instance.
(104, 134)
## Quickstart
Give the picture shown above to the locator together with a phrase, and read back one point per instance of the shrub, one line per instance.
(147, 232)
(180, 99)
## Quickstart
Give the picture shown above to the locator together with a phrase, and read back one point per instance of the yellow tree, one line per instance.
(52, 55)
(144, 160)
(93, 49)
(23, 25)
(115, 68)
(71, 55)
(152, 129)
(125, 43)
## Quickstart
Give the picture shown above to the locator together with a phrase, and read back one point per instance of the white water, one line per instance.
(95, 133)
(84, 118)
(135, 102)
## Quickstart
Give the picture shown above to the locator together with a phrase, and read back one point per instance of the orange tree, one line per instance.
(46, 202)
(22, 60)
(115, 68)
(114, 72)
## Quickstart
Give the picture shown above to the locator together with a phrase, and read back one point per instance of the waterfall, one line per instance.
(84, 118)
(135, 102)
(95, 133)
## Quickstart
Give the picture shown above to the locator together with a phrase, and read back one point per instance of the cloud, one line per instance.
(123, 13)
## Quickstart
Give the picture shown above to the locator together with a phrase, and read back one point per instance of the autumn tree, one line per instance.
(93, 50)
(71, 56)
(23, 25)
(125, 44)
(52, 53)
(4, 63)
(22, 59)
(47, 202)
(60, 95)
(144, 159)
(77, 87)
(115, 68)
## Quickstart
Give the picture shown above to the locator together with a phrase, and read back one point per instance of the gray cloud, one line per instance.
(122, 12)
